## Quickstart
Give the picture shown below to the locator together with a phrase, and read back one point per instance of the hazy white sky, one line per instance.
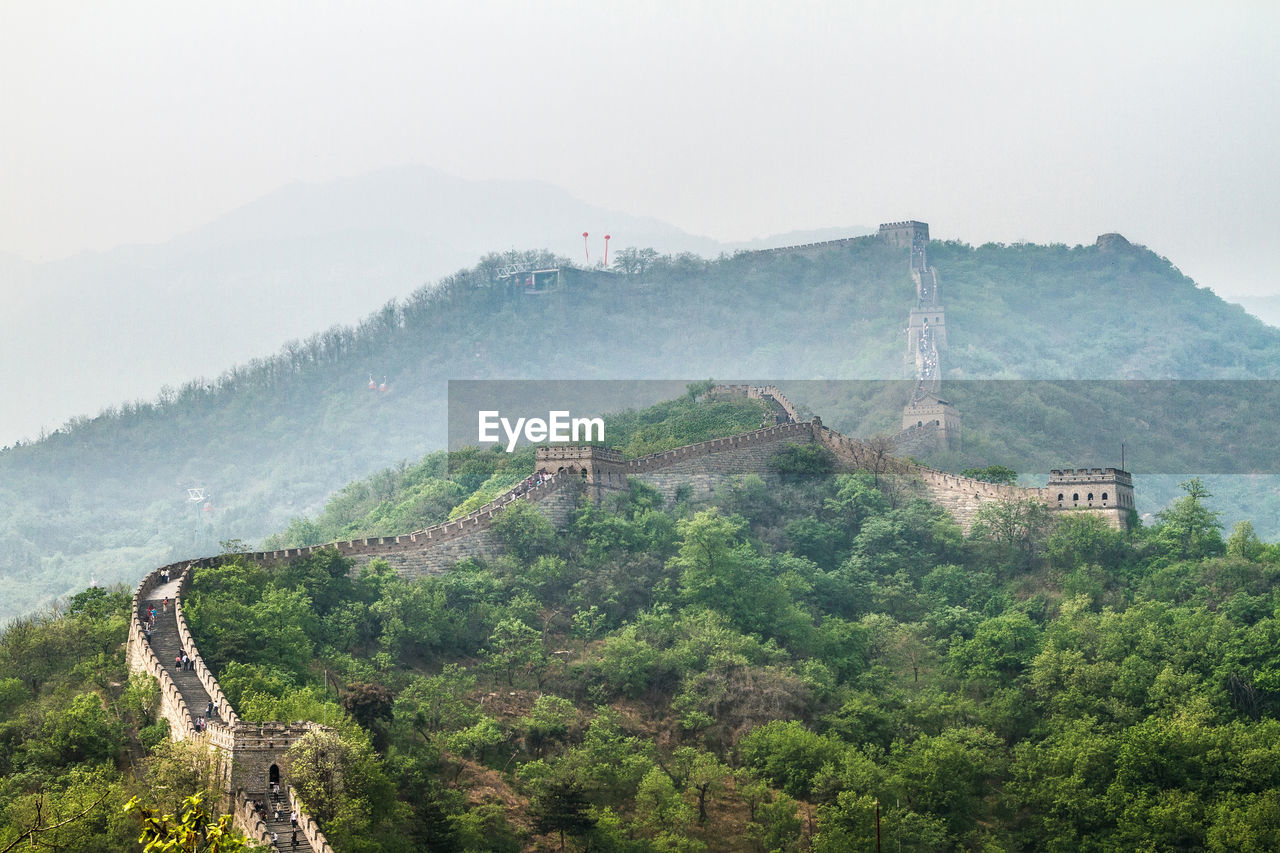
(132, 122)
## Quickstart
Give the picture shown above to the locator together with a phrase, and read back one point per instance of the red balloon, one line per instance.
(584, 233)
(606, 236)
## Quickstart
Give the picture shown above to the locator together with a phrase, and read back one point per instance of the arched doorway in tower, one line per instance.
(273, 776)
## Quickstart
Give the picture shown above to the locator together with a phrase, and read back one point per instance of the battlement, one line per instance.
(577, 453)
(909, 234)
(1105, 491)
(802, 248)
(1089, 475)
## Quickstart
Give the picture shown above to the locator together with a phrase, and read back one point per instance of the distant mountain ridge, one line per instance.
(271, 439)
(301, 258)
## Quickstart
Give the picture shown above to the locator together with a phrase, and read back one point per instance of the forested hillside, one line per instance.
(106, 497)
(751, 673)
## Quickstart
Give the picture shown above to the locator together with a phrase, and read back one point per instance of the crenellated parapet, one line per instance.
(226, 713)
(308, 827)
(141, 657)
(809, 248)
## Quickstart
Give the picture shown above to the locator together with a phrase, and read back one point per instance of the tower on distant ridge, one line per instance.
(926, 339)
(909, 234)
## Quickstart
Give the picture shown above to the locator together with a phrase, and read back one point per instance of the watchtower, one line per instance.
(909, 234)
(1107, 492)
(926, 331)
(927, 409)
(600, 469)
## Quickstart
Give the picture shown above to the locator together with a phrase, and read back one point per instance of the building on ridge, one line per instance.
(1107, 492)
(910, 234)
(927, 410)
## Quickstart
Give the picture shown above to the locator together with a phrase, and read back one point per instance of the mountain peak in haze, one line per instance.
(444, 210)
(299, 259)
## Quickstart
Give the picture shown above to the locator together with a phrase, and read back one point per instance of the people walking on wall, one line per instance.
(293, 818)
(164, 607)
(208, 711)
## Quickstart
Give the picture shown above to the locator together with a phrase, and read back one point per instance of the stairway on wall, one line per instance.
(166, 644)
(282, 828)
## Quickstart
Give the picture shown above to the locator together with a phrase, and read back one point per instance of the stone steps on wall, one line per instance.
(166, 644)
(282, 828)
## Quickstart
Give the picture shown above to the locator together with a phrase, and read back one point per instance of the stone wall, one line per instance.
(226, 713)
(141, 658)
(245, 751)
(434, 549)
(308, 827)
(963, 496)
(809, 248)
(904, 234)
(258, 746)
(246, 819)
(918, 440)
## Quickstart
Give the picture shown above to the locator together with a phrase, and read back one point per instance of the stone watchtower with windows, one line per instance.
(1107, 492)
(927, 409)
(601, 469)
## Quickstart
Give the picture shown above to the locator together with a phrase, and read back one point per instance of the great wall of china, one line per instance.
(251, 756)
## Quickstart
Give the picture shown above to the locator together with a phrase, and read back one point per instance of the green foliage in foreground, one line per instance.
(80, 738)
(757, 674)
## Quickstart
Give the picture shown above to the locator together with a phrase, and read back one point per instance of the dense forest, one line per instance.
(103, 497)
(766, 672)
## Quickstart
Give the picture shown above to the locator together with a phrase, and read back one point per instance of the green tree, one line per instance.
(789, 755)
(952, 775)
(701, 772)
(334, 777)
(721, 572)
(1013, 531)
(1188, 529)
(549, 722)
(194, 830)
(524, 530)
(560, 805)
(1001, 648)
(436, 703)
(1244, 543)
(659, 806)
(512, 646)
